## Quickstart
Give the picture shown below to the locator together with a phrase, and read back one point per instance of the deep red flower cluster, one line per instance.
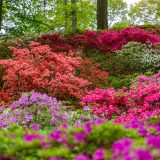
(105, 41)
(56, 42)
(142, 100)
(40, 69)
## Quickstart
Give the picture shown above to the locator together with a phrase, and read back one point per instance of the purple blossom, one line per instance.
(30, 137)
(99, 121)
(99, 154)
(143, 155)
(79, 137)
(154, 141)
(122, 148)
(143, 132)
(34, 126)
(57, 136)
(81, 157)
(28, 117)
(2, 124)
(87, 128)
(86, 108)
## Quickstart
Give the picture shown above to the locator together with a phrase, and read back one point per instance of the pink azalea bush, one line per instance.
(142, 100)
(105, 41)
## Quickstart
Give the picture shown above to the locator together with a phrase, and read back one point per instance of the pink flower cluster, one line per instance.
(105, 41)
(142, 100)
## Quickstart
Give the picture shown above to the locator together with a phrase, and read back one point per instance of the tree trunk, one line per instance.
(102, 14)
(74, 15)
(66, 14)
(44, 7)
(1, 14)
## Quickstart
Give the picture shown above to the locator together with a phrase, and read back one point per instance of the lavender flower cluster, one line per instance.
(36, 109)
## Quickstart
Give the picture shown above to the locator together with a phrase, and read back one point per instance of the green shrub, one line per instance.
(13, 145)
(134, 58)
(120, 81)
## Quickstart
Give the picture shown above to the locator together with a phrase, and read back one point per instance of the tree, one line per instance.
(117, 11)
(102, 14)
(145, 12)
(43, 16)
(66, 14)
(74, 14)
(1, 13)
(40, 16)
(28, 16)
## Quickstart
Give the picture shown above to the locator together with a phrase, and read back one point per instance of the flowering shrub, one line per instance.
(97, 140)
(92, 141)
(42, 70)
(38, 110)
(105, 41)
(56, 42)
(134, 58)
(142, 100)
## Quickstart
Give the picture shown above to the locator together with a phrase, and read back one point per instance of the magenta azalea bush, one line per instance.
(105, 41)
(142, 100)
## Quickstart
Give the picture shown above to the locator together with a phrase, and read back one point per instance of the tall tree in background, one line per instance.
(74, 14)
(66, 14)
(1, 14)
(102, 14)
(42, 16)
(117, 11)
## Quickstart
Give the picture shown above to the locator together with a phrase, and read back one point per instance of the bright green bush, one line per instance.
(118, 82)
(14, 146)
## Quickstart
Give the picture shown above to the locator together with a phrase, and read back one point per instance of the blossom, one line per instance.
(34, 126)
(30, 137)
(143, 155)
(81, 157)
(99, 154)
(79, 137)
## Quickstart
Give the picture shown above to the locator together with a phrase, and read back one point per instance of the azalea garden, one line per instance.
(83, 94)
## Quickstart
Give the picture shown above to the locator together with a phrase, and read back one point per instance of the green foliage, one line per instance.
(117, 10)
(97, 57)
(120, 81)
(110, 133)
(36, 16)
(125, 65)
(134, 58)
(146, 12)
(5, 52)
(102, 136)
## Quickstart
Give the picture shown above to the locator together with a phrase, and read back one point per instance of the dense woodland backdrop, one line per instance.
(42, 16)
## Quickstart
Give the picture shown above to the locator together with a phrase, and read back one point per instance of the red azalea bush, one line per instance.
(105, 41)
(142, 100)
(56, 42)
(40, 69)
